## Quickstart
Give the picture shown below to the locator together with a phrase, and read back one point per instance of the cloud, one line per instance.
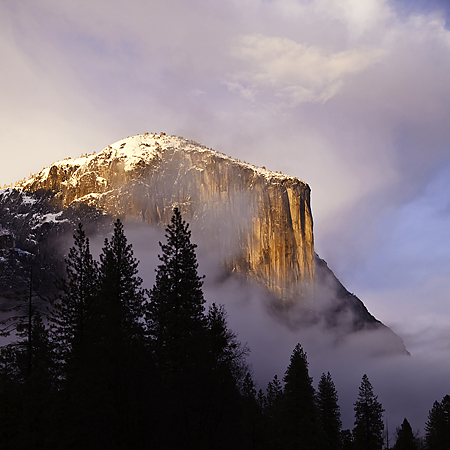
(295, 71)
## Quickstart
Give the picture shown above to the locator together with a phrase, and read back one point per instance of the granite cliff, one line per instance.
(259, 221)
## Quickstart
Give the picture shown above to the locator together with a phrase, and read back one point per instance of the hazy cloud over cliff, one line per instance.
(352, 97)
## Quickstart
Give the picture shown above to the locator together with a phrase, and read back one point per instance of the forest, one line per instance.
(108, 364)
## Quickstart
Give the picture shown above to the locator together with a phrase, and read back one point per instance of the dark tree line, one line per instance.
(114, 366)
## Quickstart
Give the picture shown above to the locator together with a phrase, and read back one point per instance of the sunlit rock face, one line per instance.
(258, 221)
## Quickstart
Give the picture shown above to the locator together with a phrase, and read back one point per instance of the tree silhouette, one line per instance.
(72, 315)
(329, 412)
(437, 427)
(121, 295)
(176, 313)
(405, 437)
(272, 404)
(299, 411)
(368, 431)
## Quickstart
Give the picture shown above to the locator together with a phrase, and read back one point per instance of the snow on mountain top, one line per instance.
(133, 147)
(145, 147)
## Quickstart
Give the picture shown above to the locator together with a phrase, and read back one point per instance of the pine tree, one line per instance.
(178, 331)
(437, 427)
(300, 427)
(329, 412)
(405, 438)
(72, 315)
(271, 409)
(74, 323)
(176, 313)
(251, 413)
(227, 353)
(119, 343)
(121, 296)
(368, 431)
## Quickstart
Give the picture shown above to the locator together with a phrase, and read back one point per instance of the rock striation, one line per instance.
(259, 221)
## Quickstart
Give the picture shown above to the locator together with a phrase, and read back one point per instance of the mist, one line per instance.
(406, 385)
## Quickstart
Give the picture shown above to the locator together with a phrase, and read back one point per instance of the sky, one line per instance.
(353, 97)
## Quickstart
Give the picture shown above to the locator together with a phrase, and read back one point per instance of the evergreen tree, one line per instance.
(251, 413)
(176, 313)
(437, 428)
(299, 413)
(271, 408)
(329, 412)
(368, 431)
(118, 352)
(72, 315)
(74, 324)
(405, 438)
(201, 363)
(227, 353)
(178, 330)
(121, 300)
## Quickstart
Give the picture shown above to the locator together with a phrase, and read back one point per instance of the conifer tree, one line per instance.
(300, 426)
(116, 349)
(273, 398)
(329, 412)
(176, 313)
(178, 331)
(271, 410)
(121, 296)
(437, 427)
(227, 353)
(250, 413)
(72, 315)
(368, 431)
(405, 438)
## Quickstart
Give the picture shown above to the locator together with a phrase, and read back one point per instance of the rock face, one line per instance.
(259, 221)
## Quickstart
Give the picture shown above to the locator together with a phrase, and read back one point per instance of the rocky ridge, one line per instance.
(263, 218)
(258, 222)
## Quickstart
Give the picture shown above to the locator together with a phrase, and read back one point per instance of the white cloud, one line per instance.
(298, 72)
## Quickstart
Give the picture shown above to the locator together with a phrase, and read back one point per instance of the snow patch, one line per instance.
(50, 218)
(28, 200)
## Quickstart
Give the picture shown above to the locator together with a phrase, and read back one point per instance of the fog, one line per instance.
(406, 385)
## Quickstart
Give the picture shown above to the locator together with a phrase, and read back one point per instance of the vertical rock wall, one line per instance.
(260, 222)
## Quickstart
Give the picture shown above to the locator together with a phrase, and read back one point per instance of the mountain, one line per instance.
(257, 222)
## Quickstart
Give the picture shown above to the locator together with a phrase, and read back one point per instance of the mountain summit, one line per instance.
(258, 223)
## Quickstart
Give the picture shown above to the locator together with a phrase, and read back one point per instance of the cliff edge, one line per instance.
(259, 221)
